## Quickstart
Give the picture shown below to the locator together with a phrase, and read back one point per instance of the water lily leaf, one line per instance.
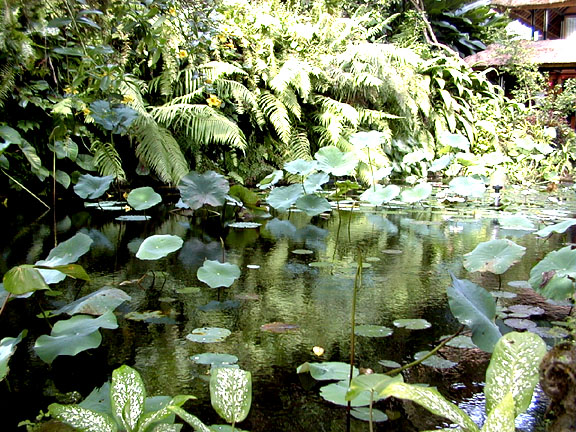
(333, 161)
(7, 349)
(92, 187)
(197, 190)
(24, 279)
(133, 218)
(271, 179)
(370, 330)
(412, 323)
(96, 303)
(458, 141)
(372, 383)
(313, 205)
(560, 227)
(282, 198)
(513, 369)
(389, 364)
(217, 274)
(365, 414)
(208, 334)
(244, 225)
(434, 361)
(336, 393)
(65, 253)
(474, 307)
(440, 163)
(516, 222)
(231, 393)
(461, 341)
(301, 167)
(417, 193)
(82, 418)
(468, 187)
(314, 182)
(527, 310)
(328, 371)
(72, 336)
(519, 323)
(495, 256)
(554, 276)
(214, 359)
(143, 198)
(279, 327)
(158, 246)
(378, 194)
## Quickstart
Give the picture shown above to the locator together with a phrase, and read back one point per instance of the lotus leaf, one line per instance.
(519, 323)
(336, 393)
(378, 194)
(24, 279)
(231, 393)
(554, 276)
(143, 198)
(314, 182)
(65, 253)
(372, 383)
(474, 307)
(214, 359)
(7, 349)
(468, 187)
(313, 205)
(96, 303)
(412, 323)
(302, 252)
(301, 167)
(495, 256)
(208, 334)
(271, 179)
(282, 198)
(91, 187)
(367, 414)
(217, 274)
(527, 310)
(557, 228)
(516, 222)
(372, 330)
(333, 161)
(327, 371)
(197, 190)
(158, 246)
(417, 193)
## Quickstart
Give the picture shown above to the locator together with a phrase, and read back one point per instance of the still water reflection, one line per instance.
(294, 270)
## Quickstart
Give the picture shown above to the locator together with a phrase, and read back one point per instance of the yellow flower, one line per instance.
(127, 208)
(70, 90)
(86, 111)
(172, 11)
(229, 45)
(214, 101)
(222, 38)
(317, 350)
(182, 54)
(127, 99)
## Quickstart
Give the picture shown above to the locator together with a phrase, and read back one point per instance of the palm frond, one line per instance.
(277, 114)
(107, 160)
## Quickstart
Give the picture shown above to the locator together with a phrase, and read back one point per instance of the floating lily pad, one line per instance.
(214, 359)
(313, 205)
(327, 371)
(198, 190)
(155, 317)
(188, 290)
(503, 294)
(516, 222)
(494, 256)
(143, 198)
(279, 327)
(91, 187)
(336, 393)
(370, 330)
(363, 413)
(96, 303)
(302, 252)
(412, 323)
(434, 361)
(208, 334)
(550, 332)
(217, 274)
(320, 264)
(526, 310)
(519, 323)
(133, 218)
(389, 364)
(461, 341)
(378, 194)
(245, 225)
(158, 246)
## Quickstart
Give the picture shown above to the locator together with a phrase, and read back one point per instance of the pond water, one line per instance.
(294, 270)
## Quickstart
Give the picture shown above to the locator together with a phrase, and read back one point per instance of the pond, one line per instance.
(296, 271)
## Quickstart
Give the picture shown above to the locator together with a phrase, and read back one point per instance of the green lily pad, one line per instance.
(334, 161)
(435, 361)
(225, 428)
(365, 414)
(327, 371)
(392, 252)
(217, 274)
(495, 256)
(389, 364)
(313, 205)
(417, 193)
(244, 225)
(143, 198)
(314, 182)
(91, 187)
(208, 334)
(301, 167)
(520, 284)
(370, 330)
(550, 332)
(198, 190)
(96, 303)
(560, 227)
(378, 194)
(283, 197)
(468, 187)
(214, 359)
(519, 323)
(336, 393)
(461, 341)
(516, 222)
(412, 323)
(527, 310)
(158, 246)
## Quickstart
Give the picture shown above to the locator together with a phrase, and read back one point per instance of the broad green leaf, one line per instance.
(271, 179)
(193, 421)
(127, 394)
(313, 205)
(560, 227)
(468, 187)
(474, 307)
(516, 222)
(7, 349)
(336, 393)
(231, 393)
(370, 330)
(455, 140)
(282, 198)
(24, 279)
(75, 271)
(157, 410)
(365, 414)
(554, 276)
(432, 400)
(417, 193)
(440, 163)
(246, 196)
(214, 359)
(217, 274)
(327, 371)
(63, 178)
(65, 253)
(116, 118)
(208, 334)
(333, 161)
(370, 383)
(96, 303)
(301, 167)
(143, 198)
(502, 417)
(434, 361)
(83, 419)
(314, 182)
(514, 369)
(412, 323)
(65, 149)
(197, 190)
(9, 136)
(378, 194)
(371, 139)
(91, 187)
(495, 256)
(158, 246)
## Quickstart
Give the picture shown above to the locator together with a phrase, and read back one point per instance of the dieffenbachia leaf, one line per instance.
(231, 393)
(502, 417)
(83, 419)
(127, 394)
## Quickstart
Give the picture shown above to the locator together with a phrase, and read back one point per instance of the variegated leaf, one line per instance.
(190, 419)
(83, 419)
(502, 417)
(231, 393)
(127, 394)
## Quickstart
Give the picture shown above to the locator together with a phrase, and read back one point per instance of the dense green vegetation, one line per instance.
(159, 88)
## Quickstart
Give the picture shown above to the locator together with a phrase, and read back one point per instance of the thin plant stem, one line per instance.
(26, 189)
(5, 303)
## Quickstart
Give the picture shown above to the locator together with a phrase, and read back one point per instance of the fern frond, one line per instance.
(214, 70)
(346, 111)
(299, 146)
(295, 74)
(7, 81)
(107, 160)
(245, 99)
(277, 114)
(290, 101)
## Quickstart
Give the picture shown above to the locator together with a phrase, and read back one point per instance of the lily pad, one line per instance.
(519, 323)
(302, 252)
(313, 205)
(378, 194)
(412, 323)
(527, 310)
(209, 188)
(365, 414)
(91, 187)
(214, 359)
(520, 284)
(417, 193)
(560, 227)
(244, 225)
(143, 198)
(301, 167)
(96, 303)
(370, 330)
(133, 218)
(495, 256)
(158, 246)
(392, 252)
(550, 332)
(279, 327)
(468, 187)
(334, 161)
(461, 341)
(389, 364)
(208, 334)
(336, 393)
(516, 222)
(327, 371)
(314, 182)
(434, 361)
(217, 274)
(284, 197)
